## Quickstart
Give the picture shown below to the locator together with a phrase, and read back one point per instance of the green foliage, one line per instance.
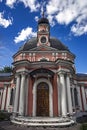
(4, 116)
(6, 69)
(83, 126)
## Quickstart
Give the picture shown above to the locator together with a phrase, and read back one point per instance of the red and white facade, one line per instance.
(44, 82)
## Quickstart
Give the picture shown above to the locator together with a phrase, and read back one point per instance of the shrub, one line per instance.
(83, 127)
(4, 116)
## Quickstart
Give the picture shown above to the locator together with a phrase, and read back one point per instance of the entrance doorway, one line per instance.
(42, 108)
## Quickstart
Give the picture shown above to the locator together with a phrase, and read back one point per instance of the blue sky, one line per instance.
(68, 22)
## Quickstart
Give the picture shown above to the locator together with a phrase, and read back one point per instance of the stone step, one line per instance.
(42, 121)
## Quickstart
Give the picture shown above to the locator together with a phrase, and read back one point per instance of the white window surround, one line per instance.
(43, 58)
(41, 37)
(50, 96)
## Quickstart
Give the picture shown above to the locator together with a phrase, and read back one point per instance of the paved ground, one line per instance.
(7, 125)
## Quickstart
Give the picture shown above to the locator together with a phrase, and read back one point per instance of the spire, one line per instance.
(43, 14)
(43, 19)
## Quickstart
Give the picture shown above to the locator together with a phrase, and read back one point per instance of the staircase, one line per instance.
(43, 121)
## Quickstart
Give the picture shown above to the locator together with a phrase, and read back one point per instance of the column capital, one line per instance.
(61, 73)
(24, 73)
(5, 85)
(68, 74)
(17, 75)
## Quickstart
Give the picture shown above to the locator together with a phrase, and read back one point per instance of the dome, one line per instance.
(43, 20)
(54, 43)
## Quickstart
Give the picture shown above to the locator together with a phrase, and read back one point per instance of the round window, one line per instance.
(43, 39)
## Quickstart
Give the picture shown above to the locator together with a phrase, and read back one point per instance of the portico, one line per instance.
(42, 86)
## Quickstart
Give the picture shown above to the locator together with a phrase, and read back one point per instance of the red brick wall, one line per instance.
(30, 98)
(55, 96)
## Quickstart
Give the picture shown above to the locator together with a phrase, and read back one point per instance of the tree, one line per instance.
(6, 69)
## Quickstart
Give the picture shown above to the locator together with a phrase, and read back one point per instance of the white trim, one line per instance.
(82, 82)
(40, 39)
(21, 70)
(50, 96)
(43, 58)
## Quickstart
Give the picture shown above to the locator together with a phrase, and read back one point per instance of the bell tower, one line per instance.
(43, 33)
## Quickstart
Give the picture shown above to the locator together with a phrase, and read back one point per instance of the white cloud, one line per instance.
(0, 0)
(58, 11)
(36, 18)
(66, 16)
(10, 3)
(32, 4)
(5, 22)
(24, 34)
(67, 11)
(52, 22)
(78, 29)
(52, 7)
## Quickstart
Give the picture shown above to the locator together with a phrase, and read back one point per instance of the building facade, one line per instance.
(44, 82)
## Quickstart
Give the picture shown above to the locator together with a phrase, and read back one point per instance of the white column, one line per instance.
(21, 100)
(3, 98)
(8, 98)
(17, 94)
(26, 95)
(84, 98)
(63, 95)
(69, 95)
(34, 99)
(79, 97)
(59, 96)
(50, 100)
(73, 97)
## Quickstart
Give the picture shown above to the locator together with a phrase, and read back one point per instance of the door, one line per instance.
(42, 99)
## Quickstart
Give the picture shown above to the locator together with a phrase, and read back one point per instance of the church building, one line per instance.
(44, 83)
